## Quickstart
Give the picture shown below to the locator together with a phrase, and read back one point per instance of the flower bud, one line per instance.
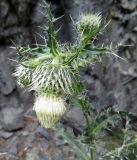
(89, 24)
(49, 109)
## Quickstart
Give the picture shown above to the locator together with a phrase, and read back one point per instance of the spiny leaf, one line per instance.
(51, 43)
(106, 117)
(80, 149)
(128, 149)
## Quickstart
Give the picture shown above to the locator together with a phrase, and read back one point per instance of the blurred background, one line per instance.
(109, 82)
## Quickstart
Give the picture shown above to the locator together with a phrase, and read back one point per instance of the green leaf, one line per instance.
(79, 148)
(106, 117)
(128, 149)
(51, 43)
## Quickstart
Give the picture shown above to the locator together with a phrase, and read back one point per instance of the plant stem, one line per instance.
(86, 112)
(91, 153)
(85, 109)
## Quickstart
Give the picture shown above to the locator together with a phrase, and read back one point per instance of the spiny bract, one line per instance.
(48, 77)
(23, 75)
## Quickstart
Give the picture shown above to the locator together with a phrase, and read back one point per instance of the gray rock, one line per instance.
(135, 29)
(11, 119)
(11, 20)
(30, 139)
(129, 4)
(4, 8)
(42, 131)
(37, 17)
(14, 17)
(75, 118)
(32, 153)
(7, 84)
(5, 135)
(130, 20)
(109, 82)
(13, 149)
(11, 157)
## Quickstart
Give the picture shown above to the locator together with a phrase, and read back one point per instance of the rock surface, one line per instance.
(11, 119)
(112, 81)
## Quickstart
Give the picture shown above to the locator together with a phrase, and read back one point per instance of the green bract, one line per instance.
(53, 77)
(24, 75)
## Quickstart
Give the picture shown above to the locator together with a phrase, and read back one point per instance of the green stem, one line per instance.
(78, 49)
(82, 44)
(85, 109)
(91, 152)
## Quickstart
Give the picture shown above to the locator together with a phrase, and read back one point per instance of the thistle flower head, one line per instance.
(52, 77)
(23, 75)
(49, 109)
(89, 23)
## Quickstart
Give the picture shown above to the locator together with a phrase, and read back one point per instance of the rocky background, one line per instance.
(112, 81)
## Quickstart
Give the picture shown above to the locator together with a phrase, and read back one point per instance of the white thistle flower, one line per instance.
(49, 110)
(23, 75)
(55, 78)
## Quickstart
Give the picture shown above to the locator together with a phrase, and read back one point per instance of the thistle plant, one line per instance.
(52, 71)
